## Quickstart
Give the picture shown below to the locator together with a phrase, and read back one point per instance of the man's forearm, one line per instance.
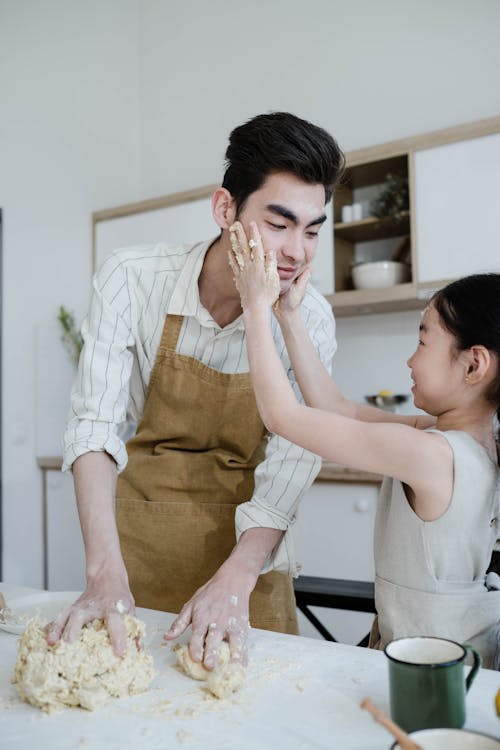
(251, 552)
(94, 476)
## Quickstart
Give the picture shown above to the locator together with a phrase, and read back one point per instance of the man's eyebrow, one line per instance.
(275, 208)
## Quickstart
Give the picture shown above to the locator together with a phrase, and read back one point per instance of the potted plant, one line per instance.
(393, 199)
(70, 335)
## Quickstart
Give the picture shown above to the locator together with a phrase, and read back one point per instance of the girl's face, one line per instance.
(437, 368)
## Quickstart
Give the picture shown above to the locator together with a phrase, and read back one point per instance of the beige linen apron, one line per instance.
(424, 584)
(190, 463)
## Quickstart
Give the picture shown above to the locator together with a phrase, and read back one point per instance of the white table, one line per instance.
(300, 694)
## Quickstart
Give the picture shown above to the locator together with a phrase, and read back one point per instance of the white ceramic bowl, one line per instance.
(378, 274)
(452, 739)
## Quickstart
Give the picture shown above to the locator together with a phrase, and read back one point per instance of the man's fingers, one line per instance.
(56, 627)
(197, 643)
(116, 629)
(238, 648)
(212, 643)
(180, 623)
(76, 620)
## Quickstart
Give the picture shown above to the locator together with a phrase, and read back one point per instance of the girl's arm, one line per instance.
(316, 384)
(421, 460)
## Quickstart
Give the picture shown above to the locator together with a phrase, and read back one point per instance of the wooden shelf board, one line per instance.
(372, 228)
(332, 472)
(386, 299)
(50, 462)
(374, 172)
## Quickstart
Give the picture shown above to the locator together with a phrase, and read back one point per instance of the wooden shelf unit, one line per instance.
(369, 167)
(368, 174)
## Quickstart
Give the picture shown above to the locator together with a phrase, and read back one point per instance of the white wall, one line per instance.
(69, 125)
(109, 101)
(367, 71)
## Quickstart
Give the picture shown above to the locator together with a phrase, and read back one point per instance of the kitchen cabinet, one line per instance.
(448, 231)
(457, 204)
(334, 539)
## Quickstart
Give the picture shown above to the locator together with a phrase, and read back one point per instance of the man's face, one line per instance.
(289, 214)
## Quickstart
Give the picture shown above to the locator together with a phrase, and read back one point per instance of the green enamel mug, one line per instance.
(426, 682)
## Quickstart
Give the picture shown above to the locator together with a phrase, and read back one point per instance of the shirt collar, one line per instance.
(185, 299)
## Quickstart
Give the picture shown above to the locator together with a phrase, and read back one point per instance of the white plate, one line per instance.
(46, 605)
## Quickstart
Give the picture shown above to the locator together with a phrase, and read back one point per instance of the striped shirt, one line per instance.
(135, 288)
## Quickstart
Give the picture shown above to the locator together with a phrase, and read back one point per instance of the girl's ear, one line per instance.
(223, 208)
(480, 364)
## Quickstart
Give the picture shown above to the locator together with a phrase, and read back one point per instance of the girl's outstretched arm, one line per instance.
(317, 387)
(423, 461)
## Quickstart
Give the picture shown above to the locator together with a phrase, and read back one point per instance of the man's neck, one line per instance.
(218, 293)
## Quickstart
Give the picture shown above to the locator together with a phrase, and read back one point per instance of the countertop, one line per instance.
(329, 472)
(299, 694)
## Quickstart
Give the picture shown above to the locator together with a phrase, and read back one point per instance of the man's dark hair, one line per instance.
(280, 142)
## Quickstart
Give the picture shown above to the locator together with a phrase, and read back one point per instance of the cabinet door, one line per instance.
(457, 204)
(334, 539)
(65, 552)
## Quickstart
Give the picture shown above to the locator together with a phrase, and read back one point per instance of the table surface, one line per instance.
(299, 694)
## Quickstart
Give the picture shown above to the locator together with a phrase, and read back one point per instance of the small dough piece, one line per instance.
(223, 680)
(84, 673)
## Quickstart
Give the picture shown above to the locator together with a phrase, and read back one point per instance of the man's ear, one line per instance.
(223, 208)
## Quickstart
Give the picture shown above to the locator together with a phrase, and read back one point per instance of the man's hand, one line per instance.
(107, 599)
(255, 271)
(218, 611)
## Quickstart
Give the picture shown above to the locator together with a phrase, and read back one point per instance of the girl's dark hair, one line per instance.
(470, 309)
(280, 142)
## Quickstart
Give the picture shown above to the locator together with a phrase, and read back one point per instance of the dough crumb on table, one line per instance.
(84, 673)
(223, 680)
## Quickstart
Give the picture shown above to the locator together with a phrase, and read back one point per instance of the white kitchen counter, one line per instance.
(299, 693)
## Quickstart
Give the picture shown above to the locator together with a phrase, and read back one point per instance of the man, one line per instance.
(165, 340)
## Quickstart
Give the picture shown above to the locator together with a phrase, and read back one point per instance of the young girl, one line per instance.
(438, 513)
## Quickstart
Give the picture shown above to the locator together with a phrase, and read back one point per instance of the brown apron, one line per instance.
(190, 463)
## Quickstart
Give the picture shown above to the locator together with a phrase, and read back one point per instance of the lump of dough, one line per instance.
(224, 679)
(84, 673)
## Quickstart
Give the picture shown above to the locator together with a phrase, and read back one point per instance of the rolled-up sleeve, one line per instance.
(99, 396)
(287, 470)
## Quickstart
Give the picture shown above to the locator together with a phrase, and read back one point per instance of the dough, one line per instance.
(224, 679)
(85, 673)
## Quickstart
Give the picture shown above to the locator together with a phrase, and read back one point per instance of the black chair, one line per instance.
(335, 593)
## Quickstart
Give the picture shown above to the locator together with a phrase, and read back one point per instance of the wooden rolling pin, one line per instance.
(405, 742)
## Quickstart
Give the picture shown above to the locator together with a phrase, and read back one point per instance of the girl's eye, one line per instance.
(312, 235)
(420, 342)
(276, 226)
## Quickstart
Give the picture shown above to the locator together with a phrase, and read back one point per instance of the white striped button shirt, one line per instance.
(134, 290)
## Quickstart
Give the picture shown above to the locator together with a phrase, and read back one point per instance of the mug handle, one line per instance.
(475, 667)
